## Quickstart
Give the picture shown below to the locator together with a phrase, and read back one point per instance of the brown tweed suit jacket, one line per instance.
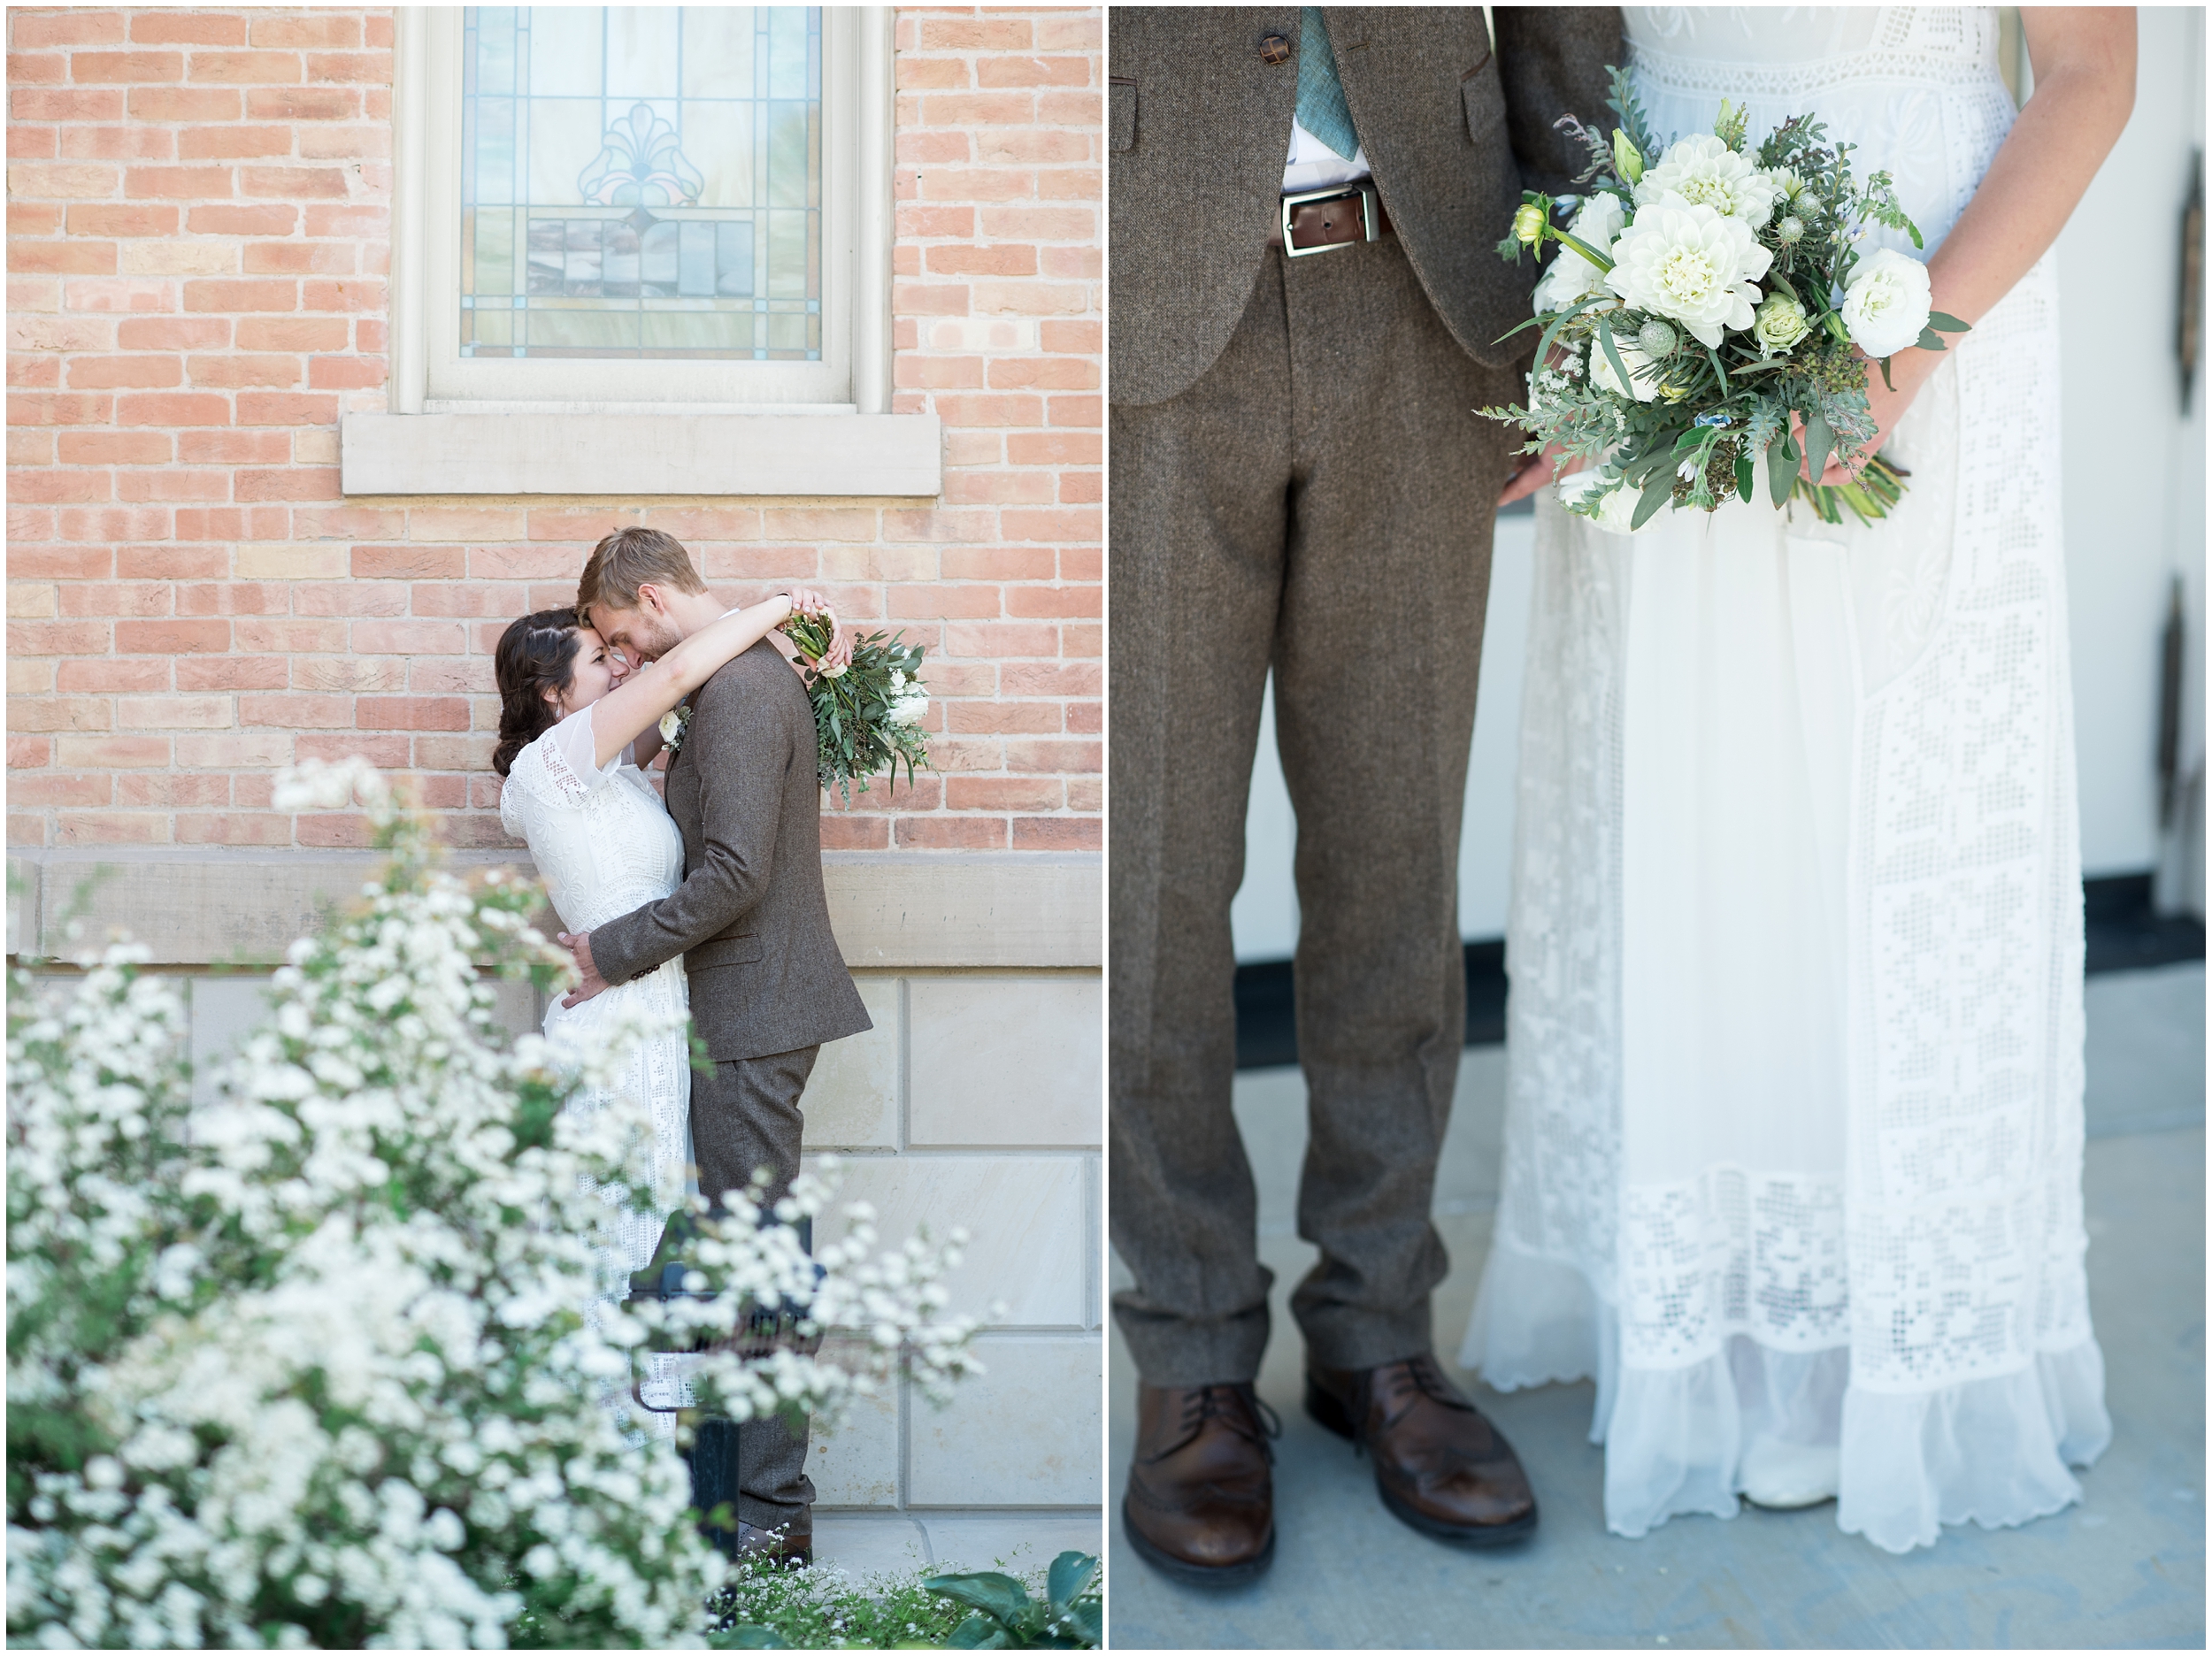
(750, 918)
(1200, 122)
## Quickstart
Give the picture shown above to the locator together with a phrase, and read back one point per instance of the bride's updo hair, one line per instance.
(535, 654)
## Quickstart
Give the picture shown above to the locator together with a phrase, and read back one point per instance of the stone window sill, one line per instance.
(631, 454)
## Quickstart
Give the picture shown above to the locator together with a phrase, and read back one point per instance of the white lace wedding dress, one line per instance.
(604, 845)
(1793, 1134)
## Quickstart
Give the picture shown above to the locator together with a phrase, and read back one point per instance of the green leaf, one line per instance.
(1819, 440)
(1945, 323)
(1781, 466)
(1543, 345)
(1885, 379)
(1929, 340)
(1070, 1573)
(747, 1636)
(1743, 474)
(1089, 1624)
(978, 1632)
(1511, 332)
(1613, 353)
(986, 1591)
(1657, 494)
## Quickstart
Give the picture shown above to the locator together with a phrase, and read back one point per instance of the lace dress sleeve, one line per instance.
(554, 773)
(567, 750)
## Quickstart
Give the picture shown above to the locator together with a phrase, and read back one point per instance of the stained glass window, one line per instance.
(641, 182)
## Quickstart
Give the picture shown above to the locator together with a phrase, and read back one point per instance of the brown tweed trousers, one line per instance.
(768, 983)
(1298, 484)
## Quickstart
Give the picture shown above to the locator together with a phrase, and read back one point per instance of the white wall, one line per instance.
(2134, 464)
(2134, 513)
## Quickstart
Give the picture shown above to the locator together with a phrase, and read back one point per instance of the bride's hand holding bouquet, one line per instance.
(1715, 306)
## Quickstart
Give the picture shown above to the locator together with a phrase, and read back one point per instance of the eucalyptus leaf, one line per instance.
(1781, 466)
(1818, 442)
(1929, 340)
(1943, 322)
(1657, 494)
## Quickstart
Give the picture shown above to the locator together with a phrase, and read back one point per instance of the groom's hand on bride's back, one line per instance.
(579, 946)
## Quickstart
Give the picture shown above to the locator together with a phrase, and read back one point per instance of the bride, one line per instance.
(1793, 1134)
(576, 725)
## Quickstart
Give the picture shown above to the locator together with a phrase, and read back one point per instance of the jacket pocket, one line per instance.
(1482, 101)
(723, 951)
(1121, 112)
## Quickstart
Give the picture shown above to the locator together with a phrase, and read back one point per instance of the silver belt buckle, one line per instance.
(1369, 205)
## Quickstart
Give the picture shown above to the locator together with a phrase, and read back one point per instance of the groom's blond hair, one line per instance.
(628, 559)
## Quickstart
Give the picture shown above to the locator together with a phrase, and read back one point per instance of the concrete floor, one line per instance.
(2125, 1567)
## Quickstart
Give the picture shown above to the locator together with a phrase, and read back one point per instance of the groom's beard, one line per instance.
(652, 640)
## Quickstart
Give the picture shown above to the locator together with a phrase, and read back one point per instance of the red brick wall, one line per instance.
(197, 246)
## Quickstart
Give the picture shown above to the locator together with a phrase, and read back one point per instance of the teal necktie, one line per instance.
(1321, 108)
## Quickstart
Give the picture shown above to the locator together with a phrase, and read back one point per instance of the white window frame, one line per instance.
(577, 426)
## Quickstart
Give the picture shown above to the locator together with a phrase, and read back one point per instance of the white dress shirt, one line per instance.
(1312, 164)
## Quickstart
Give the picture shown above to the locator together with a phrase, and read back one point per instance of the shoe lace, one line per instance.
(1238, 1407)
(1423, 1376)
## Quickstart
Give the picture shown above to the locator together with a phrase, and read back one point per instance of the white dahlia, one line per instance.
(1702, 171)
(1886, 302)
(1692, 266)
(1571, 278)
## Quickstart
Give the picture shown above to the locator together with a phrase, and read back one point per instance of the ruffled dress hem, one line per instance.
(1992, 1451)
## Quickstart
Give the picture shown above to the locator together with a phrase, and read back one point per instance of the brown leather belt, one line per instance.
(1314, 221)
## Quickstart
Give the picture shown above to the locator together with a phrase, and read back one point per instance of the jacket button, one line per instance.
(1274, 49)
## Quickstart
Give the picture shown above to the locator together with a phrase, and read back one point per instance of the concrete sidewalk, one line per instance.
(2125, 1567)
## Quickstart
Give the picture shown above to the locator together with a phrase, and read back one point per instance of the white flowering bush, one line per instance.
(307, 1364)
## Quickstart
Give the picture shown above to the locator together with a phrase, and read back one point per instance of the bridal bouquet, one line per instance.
(868, 711)
(1705, 308)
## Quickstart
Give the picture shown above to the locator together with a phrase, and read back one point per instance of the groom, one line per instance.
(1305, 308)
(768, 984)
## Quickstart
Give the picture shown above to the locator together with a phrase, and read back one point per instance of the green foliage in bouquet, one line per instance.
(308, 1362)
(1679, 401)
(867, 717)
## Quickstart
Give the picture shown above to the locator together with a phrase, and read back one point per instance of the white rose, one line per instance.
(1571, 278)
(1693, 265)
(1886, 303)
(909, 707)
(1702, 171)
(670, 725)
(1642, 386)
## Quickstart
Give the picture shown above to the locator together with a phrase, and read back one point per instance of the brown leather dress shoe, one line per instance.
(1440, 1466)
(1201, 1505)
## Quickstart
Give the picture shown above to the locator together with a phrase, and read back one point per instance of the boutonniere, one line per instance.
(674, 723)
